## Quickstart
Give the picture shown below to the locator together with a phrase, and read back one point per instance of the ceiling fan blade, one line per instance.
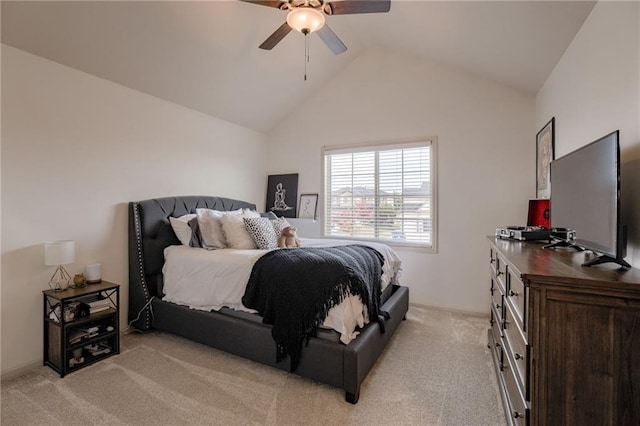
(348, 7)
(331, 40)
(275, 38)
(270, 3)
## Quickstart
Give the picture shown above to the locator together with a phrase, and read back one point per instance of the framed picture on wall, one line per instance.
(282, 194)
(308, 206)
(545, 153)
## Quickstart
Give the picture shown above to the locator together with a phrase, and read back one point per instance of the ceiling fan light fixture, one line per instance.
(305, 19)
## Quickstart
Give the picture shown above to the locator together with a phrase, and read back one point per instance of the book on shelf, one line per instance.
(79, 334)
(97, 309)
(97, 299)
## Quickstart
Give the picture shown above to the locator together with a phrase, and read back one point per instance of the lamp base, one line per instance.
(61, 282)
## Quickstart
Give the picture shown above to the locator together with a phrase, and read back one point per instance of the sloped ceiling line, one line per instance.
(205, 56)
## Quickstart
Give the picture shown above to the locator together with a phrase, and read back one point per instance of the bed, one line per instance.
(240, 333)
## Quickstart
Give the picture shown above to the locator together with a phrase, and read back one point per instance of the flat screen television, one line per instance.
(585, 198)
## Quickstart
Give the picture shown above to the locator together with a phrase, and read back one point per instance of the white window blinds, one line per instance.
(382, 192)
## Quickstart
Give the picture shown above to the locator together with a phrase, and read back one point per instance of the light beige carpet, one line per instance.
(436, 371)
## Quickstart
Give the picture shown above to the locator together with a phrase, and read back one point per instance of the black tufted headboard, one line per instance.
(149, 234)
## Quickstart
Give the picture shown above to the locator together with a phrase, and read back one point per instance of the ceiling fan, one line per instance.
(308, 16)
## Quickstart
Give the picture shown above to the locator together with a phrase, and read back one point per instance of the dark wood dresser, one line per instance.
(565, 338)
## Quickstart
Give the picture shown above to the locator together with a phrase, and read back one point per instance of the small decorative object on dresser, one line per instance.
(565, 339)
(308, 206)
(539, 213)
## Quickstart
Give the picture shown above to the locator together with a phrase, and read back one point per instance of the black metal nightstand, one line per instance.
(81, 326)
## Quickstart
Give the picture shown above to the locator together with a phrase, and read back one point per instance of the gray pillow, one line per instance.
(269, 215)
(196, 236)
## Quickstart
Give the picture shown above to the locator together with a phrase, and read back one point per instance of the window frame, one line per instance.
(376, 146)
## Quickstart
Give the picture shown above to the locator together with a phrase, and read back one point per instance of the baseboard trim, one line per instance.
(452, 310)
(31, 366)
(21, 370)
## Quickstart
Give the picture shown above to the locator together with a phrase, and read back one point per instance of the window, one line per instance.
(381, 192)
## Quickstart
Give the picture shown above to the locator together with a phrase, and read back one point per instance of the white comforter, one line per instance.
(213, 279)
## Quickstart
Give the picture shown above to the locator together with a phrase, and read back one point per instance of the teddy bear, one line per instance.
(288, 237)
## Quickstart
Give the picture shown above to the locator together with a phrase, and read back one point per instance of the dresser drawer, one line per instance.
(500, 273)
(495, 288)
(497, 304)
(516, 296)
(492, 259)
(496, 334)
(516, 350)
(517, 411)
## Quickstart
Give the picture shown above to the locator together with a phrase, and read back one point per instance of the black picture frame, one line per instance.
(282, 194)
(308, 206)
(545, 153)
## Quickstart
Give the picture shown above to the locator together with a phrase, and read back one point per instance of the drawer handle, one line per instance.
(498, 306)
(498, 345)
(513, 293)
(517, 415)
(498, 273)
(518, 356)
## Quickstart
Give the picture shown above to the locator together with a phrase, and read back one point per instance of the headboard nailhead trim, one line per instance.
(143, 279)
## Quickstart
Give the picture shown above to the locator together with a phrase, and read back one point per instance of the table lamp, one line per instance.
(58, 253)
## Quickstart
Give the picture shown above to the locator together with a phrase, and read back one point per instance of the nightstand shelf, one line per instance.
(75, 338)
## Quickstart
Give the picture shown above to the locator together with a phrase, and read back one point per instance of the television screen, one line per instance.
(585, 191)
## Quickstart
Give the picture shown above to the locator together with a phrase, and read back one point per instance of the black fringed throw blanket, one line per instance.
(294, 289)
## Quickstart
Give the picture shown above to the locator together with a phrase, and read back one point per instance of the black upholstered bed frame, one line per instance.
(333, 363)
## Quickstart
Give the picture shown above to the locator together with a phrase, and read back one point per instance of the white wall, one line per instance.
(594, 90)
(486, 153)
(75, 150)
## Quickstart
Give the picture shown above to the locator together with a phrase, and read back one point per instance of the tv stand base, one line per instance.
(606, 259)
(562, 243)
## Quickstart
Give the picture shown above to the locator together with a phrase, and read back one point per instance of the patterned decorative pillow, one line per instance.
(262, 232)
(279, 224)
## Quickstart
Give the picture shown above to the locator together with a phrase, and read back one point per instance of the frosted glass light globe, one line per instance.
(305, 19)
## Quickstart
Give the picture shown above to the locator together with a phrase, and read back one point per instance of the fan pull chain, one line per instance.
(306, 54)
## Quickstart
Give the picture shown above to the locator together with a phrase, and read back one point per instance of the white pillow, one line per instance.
(210, 229)
(235, 231)
(250, 213)
(181, 227)
(262, 232)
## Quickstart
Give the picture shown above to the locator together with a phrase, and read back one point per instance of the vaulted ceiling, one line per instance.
(204, 55)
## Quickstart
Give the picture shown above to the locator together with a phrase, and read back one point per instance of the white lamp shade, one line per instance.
(59, 253)
(305, 18)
